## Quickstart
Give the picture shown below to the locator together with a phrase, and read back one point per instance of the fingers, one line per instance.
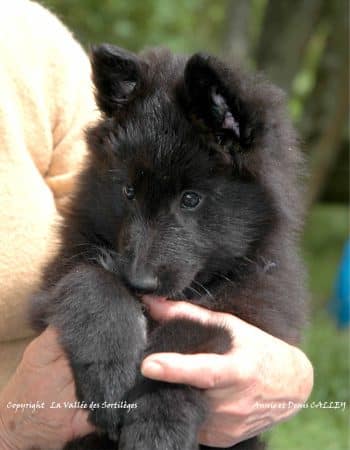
(162, 309)
(217, 437)
(45, 349)
(204, 371)
(80, 424)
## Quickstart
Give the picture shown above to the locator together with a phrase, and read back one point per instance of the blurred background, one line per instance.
(302, 46)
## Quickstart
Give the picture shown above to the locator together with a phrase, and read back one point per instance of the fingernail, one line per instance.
(152, 369)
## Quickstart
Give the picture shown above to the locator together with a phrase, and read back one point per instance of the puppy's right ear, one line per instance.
(117, 76)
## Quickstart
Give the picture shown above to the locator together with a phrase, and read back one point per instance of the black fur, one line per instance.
(174, 132)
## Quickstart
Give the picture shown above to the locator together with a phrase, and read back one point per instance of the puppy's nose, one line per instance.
(143, 282)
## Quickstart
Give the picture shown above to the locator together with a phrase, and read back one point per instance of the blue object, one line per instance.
(340, 303)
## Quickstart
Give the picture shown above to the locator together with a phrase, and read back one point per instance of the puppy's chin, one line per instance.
(186, 293)
(177, 297)
(172, 294)
(191, 291)
(176, 291)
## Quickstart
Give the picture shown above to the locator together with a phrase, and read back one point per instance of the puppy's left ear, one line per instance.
(117, 75)
(216, 98)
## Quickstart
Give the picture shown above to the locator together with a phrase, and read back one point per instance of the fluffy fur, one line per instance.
(191, 192)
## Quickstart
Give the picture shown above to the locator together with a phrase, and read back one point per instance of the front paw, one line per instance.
(100, 388)
(167, 417)
(147, 435)
(108, 420)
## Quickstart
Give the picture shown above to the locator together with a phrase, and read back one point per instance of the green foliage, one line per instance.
(325, 345)
(306, 78)
(258, 8)
(182, 25)
(317, 428)
(325, 234)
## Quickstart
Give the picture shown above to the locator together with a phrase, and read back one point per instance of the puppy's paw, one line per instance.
(187, 336)
(156, 436)
(167, 417)
(107, 420)
(92, 441)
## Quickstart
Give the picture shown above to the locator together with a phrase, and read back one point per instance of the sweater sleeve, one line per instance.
(68, 140)
(46, 101)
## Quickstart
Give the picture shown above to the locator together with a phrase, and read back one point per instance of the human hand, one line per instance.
(43, 375)
(259, 370)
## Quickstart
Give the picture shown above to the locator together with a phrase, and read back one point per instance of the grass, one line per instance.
(326, 346)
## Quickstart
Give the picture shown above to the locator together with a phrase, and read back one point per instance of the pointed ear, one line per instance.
(117, 75)
(217, 99)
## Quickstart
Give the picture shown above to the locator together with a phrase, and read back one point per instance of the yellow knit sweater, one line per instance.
(45, 102)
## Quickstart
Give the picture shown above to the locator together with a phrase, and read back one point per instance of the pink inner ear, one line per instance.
(229, 122)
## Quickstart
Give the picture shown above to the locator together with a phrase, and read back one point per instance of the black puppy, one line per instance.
(190, 192)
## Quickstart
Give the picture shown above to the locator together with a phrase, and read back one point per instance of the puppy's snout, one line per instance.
(143, 282)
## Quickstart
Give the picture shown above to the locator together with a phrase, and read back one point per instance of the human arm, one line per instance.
(46, 102)
(43, 376)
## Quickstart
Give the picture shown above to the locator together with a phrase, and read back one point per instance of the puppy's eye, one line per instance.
(190, 200)
(129, 192)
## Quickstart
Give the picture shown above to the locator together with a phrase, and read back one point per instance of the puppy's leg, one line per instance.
(92, 441)
(103, 331)
(168, 415)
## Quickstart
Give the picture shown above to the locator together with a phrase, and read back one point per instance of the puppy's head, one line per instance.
(179, 155)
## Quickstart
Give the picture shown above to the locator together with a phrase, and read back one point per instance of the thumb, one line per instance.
(201, 370)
